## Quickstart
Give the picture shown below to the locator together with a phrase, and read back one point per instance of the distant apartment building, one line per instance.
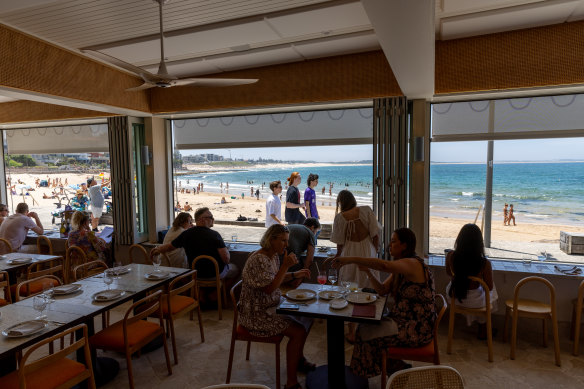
(202, 158)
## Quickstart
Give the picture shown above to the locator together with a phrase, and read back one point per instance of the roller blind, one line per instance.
(344, 126)
(58, 140)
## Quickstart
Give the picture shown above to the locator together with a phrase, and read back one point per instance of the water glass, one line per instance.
(39, 303)
(108, 278)
(333, 276)
(117, 266)
(234, 239)
(156, 260)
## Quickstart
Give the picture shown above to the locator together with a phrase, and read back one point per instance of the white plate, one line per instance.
(19, 261)
(338, 303)
(66, 289)
(120, 270)
(361, 298)
(301, 294)
(156, 276)
(108, 295)
(35, 326)
(329, 294)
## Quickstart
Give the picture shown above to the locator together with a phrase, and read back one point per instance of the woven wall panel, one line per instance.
(32, 111)
(33, 65)
(536, 57)
(347, 77)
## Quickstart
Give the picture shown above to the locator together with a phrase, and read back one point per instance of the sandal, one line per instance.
(304, 366)
(295, 386)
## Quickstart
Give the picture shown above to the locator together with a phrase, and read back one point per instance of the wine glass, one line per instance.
(321, 278)
(156, 260)
(108, 278)
(333, 276)
(39, 303)
(48, 292)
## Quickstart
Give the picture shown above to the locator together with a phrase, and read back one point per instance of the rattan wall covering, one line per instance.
(32, 111)
(347, 77)
(536, 57)
(34, 65)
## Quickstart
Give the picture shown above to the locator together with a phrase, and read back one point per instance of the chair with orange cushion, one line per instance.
(428, 353)
(52, 267)
(34, 286)
(577, 318)
(89, 269)
(74, 257)
(54, 370)
(5, 286)
(138, 254)
(44, 245)
(133, 332)
(176, 303)
(239, 332)
(216, 282)
(5, 246)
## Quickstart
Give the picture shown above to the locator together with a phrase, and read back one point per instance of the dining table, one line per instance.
(313, 300)
(78, 307)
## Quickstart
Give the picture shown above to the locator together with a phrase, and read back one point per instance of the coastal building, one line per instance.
(68, 65)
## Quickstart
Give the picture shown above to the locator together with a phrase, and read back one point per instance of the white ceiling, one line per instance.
(207, 37)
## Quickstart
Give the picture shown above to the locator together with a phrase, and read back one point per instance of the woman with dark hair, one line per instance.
(411, 318)
(468, 259)
(260, 295)
(178, 257)
(310, 196)
(292, 213)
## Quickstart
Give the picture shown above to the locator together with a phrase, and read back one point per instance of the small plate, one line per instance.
(156, 276)
(361, 298)
(120, 270)
(338, 303)
(108, 295)
(33, 327)
(329, 294)
(301, 294)
(66, 289)
(19, 261)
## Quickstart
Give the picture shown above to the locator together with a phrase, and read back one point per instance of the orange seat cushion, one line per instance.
(112, 337)
(177, 304)
(244, 334)
(424, 353)
(34, 287)
(50, 376)
(3, 302)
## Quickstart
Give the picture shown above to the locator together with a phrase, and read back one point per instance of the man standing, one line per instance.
(202, 240)
(303, 238)
(96, 200)
(274, 205)
(15, 227)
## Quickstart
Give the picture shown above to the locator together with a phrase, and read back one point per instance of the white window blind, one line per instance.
(58, 140)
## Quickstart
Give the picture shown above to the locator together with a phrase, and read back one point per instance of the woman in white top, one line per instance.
(274, 205)
(177, 257)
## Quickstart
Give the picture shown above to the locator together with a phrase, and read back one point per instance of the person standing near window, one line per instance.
(310, 196)
(274, 205)
(293, 205)
(96, 200)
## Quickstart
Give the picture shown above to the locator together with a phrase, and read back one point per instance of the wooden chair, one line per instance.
(88, 269)
(533, 309)
(427, 353)
(49, 267)
(138, 254)
(424, 377)
(5, 286)
(44, 245)
(216, 282)
(35, 286)
(577, 318)
(485, 311)
(239, 332)
(74, 257)
(54, 370)
(174, 303)
(133, 332)
(5, 246)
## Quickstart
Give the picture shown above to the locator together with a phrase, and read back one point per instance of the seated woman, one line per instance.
(260, 295)
(468, 259)
(411, 318)
(178, 257)
(82, 236)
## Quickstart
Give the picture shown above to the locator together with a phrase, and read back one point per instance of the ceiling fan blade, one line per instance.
(214, 81)
(147, 76)
(146, 85)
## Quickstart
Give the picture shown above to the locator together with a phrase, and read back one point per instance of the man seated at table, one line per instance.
(202, 240)
(303, 238)
(15, 227)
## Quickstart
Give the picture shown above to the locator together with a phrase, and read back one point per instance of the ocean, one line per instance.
(540, 192)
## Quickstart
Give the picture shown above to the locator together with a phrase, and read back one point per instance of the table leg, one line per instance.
(104, 369)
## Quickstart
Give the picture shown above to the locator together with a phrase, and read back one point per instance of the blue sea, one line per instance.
(540, 192)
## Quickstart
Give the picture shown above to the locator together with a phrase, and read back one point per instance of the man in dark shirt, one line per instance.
(303, 238)
(202, 240)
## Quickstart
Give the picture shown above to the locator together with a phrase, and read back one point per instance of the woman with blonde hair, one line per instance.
(82, 236)
(178, 257)
(293, 204)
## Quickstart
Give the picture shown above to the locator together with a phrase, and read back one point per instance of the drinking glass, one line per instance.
(234, 240)
(346, 284)
(333, 276)
(156, 260)
(526, 259)
(321, 278)
(39, 303)
(48, 292)
(108, 278)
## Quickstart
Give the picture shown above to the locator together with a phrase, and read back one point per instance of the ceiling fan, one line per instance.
(162, 79)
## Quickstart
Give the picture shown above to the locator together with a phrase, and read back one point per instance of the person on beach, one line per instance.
(274, 205)
(96, 200)
(468, 259)
(15, 227)
(292, 213)
(257, 193)
(511, 216)
(310, 196)
(356, 233)
(83, 237)
(303, 239)
(410, 322)
(323, 189)
(505, 214)
(187, 207)
(177, 258)
(79, 202)
(260, 295)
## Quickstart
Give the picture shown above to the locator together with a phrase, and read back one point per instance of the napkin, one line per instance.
(364, 310)
(65, 288)
(25, 328)
(118, 271)
(107, 295)
(156, 276)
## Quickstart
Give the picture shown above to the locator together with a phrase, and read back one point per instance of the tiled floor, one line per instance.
(203, 364)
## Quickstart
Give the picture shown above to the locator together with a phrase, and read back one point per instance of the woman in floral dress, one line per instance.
(260, 295)
(82, 236)
(411, 319)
